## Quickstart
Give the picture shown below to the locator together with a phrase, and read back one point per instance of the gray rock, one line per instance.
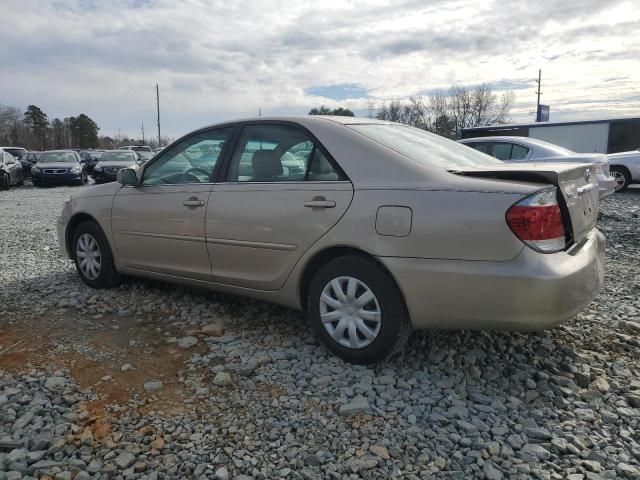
(124, 460)
(187, 342)
(358, 404)
(153, 386)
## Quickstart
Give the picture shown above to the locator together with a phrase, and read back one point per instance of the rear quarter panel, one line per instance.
(445, 225)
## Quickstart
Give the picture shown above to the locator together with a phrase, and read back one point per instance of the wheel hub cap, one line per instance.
(350, 312)
(88, 255)
(619, 178)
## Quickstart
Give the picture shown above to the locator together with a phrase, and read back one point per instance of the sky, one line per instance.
(217, 60)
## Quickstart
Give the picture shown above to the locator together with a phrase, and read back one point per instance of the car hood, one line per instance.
(56, 165)
(625, 155)
(594, 158)
(116, 165)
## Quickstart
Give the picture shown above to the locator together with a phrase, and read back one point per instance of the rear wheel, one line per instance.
(622, 178)
(5, 182)
(357, 310)
(93, 257)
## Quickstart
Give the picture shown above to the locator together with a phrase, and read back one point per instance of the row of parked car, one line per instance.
(68, 167)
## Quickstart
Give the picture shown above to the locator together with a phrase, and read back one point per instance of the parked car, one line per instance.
(28, 160)
(112, 161)
(137, 148)
(525, 149)
(625, 168)
(10, 170)
(59, 167)
(91, 158)
(144, 155)
(389, 228)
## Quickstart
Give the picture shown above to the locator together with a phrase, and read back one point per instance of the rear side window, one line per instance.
(278, 153)
(518, 152)
(502, 151)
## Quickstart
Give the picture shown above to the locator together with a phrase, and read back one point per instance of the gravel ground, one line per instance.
(152, 380)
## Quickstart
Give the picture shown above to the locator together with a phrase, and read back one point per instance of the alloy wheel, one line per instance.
(620, 179)
(89, 256)
(350, 312)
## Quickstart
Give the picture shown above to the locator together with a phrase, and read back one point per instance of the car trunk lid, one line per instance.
(576, 183)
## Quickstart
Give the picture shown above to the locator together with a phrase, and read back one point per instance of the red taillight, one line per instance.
(537, 221)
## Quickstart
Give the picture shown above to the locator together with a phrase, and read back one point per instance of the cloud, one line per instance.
(216, 60)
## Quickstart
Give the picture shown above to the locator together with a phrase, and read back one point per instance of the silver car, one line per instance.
(525, 149)
(625, 168)
(386, 229)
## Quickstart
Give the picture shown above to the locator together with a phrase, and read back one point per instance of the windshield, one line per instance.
(141, 148)
(145, 155)
(54, 157)
(118, 157)
(426, 148)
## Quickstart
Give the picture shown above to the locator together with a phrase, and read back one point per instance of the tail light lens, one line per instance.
(537, 221)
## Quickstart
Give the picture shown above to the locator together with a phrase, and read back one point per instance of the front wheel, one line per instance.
(5, 182)
(357, 310)
(622, 178)
(93, 257)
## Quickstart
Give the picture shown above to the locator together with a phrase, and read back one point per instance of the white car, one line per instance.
(625, 168)
(525, 149)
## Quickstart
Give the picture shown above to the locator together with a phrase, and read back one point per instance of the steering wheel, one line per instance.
(191, 173)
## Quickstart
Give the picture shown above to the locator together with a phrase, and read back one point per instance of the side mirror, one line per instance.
(127, 176)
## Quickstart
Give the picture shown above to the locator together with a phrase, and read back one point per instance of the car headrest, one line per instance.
(266, 164)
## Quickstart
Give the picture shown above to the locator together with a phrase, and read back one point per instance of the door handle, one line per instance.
(320, 202)
(193, 202)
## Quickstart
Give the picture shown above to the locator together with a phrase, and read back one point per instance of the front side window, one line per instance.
(278, 153)
(190, 161)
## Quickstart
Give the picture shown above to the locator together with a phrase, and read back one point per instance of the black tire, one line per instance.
(82, 181)
(5, 182)
(35, 183)
(395, 325)
(108, 277)
(622, 177)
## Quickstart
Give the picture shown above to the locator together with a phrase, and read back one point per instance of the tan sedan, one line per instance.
(371, 228)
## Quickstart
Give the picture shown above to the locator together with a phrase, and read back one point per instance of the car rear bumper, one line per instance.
(531, 292)
(606, 185)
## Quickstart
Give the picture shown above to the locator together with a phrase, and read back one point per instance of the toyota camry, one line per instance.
(385, 228)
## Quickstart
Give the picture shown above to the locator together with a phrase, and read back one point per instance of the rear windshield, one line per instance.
(141, 148)
(118, 157)
(53, 157)
(424, 147)
(16, 152)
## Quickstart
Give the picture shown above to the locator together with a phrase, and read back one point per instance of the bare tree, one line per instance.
(448, 112)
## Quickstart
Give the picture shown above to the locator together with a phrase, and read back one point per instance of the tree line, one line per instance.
(444, 112)
(33, 130)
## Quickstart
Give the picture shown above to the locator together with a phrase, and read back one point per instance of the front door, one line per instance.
(282, 193)
(158, 226)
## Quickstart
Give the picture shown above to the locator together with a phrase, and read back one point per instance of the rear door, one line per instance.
(282, 192)
(158, 226)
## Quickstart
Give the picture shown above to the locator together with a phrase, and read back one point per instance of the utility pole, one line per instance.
(158, 111)
(259, 112)
(142, 128)
(538, 92)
